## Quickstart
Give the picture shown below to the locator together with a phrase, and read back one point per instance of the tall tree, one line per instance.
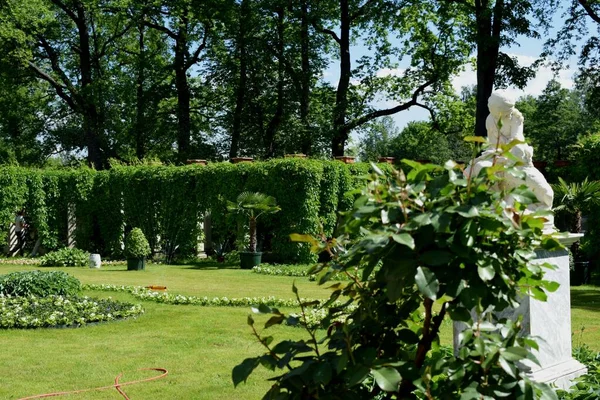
(69, 48)
(187, 24)
(430, 48)
(492, 24)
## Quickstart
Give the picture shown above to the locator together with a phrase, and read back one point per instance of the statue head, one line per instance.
(500, 103)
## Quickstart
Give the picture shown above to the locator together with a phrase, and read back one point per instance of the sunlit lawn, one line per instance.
(198, 345)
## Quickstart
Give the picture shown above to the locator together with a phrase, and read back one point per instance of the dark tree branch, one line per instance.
(196, 56)
(60, 89)
(67, 11)
(52, 55)
(112, 39)
(389, 111)
(161, 28)
(326, 31)
(589, 10)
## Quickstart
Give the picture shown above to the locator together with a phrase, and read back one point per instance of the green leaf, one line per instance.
(467, 211)
(404, 239)
(436, 257)
(387, 378)
(261, 309)
(486, 273)
(427, 283)
(407, 336)
(475, 139)
(297, 237)
(514, 353)
(323, 373)
(250, 320)
(242, 371)
(275, 320)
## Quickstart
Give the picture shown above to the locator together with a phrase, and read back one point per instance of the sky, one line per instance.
(526, 52)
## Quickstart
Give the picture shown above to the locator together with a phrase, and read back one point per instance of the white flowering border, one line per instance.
(143, 293)
(295, 272)
(61, 311)
(314, 315)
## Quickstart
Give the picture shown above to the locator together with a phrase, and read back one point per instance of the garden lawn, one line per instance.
(198, 345)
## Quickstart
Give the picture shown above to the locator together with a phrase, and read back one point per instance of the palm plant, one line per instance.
(253, 205)
(576, 198)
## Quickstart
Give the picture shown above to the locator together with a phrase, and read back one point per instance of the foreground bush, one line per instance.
(66, 257)
(39, 283)
(421, 246)
(61, 311)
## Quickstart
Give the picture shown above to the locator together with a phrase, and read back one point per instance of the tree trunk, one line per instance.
(241, 88)
(183, 92)
(340, 132)
(92, 121)
(306, 140)
(140, 123)
(252, 244)
(275, 123)
(488, 46)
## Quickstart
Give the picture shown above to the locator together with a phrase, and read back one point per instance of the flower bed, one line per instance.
(314, 314)
(61, 311)
(291, 270)
(142, 293)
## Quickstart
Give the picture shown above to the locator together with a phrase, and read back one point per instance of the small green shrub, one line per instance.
(39, 284)
(136, 245)
(59, 311)
(65, 257)
(586, 387)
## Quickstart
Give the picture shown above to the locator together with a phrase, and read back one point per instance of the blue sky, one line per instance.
(527, 52)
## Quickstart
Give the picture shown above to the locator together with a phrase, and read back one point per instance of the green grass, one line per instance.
(198, 345)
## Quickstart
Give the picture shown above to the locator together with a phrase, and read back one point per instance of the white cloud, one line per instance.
(535, 86)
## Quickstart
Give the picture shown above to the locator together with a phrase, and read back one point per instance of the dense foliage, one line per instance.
(168, 203)
(586, 387)
(61, 311)
(39, 284)
(420, 246)
(136, 245)
(65, 257)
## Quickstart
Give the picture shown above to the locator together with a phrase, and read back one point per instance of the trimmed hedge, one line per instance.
(168, 202)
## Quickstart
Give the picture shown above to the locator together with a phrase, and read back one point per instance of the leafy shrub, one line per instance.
(39, 283)
(65, 257)
(422, 246)
(63, 311)
(586, 387)
(136, 245)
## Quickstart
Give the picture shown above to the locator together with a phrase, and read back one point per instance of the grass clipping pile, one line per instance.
(37, 299)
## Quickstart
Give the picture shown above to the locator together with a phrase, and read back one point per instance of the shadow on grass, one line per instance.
(586, 298)
(211, 264)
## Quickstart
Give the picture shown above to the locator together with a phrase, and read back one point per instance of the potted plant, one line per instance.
(575, 199)
(252, 206)
(136, 250)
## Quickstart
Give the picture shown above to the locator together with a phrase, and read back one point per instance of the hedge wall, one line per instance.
(167, 202)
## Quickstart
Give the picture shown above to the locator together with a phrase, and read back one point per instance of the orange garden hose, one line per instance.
(117, 385)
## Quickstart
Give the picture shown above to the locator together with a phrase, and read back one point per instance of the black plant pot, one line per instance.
(582, 274)
(136, 264)
(249, 260)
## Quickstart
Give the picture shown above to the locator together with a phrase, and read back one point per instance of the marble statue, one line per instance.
(504, 125)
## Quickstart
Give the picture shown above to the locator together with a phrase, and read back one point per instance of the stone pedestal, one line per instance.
(549, 322)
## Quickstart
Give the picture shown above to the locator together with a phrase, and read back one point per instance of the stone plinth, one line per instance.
(549, 322)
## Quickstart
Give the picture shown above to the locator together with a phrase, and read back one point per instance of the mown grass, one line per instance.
(198, 345)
